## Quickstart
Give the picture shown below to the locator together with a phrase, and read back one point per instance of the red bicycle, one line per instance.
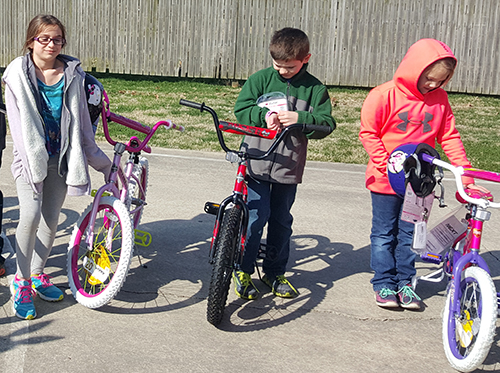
(230, 230)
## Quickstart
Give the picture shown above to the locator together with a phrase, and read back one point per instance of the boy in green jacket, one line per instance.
(272, 184)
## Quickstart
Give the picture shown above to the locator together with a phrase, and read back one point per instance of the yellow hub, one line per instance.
(98, 265)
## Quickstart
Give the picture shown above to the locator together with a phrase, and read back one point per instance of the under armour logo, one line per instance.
(404, 117)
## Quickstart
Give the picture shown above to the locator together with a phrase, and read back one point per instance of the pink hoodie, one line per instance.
(395, 113)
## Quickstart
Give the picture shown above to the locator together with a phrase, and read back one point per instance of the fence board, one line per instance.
(353, 43)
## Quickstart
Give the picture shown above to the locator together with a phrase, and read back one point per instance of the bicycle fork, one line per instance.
(109, 188)
(237, 202)
(470, 257)
(238, 199)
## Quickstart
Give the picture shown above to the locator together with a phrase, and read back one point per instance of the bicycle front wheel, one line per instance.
(97, 273)
(224, 254)
(137, 193)
(467, 336)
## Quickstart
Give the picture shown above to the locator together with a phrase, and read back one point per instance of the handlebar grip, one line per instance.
(427, 158)
(317, 128)
(194, 105)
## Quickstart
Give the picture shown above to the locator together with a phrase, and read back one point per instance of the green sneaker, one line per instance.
(280, 286)
(386, 298)
(243, 285)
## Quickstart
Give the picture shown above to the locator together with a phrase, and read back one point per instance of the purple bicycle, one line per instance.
(103, 239)
(471, 308)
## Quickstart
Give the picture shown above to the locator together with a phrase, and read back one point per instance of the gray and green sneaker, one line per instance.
(408, 298)
(280, 286)
(243, 285)
(386, 298)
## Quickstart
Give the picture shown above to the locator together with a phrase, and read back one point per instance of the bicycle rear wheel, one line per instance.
(137, 193)
(467, 337)
(223, 265)
(96, 274)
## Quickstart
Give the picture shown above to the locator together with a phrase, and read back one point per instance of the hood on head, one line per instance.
(419, 56)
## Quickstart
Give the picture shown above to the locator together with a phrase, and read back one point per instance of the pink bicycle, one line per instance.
(103, 239)
(470, 313)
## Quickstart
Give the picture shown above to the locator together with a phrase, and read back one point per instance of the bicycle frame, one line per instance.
(134, 147)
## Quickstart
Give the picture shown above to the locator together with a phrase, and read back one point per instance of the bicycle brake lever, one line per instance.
(233, 157)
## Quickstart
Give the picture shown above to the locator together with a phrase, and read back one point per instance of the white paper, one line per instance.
(420, 236)
(444, 234)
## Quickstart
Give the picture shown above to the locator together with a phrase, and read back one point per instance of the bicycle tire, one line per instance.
(141, 171)
(478, 306)
(224, 253)
(95, 276)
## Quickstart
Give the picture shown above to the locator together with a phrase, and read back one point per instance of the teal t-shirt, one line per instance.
(51, 100)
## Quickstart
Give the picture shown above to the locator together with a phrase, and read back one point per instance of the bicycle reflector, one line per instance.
(404, 166)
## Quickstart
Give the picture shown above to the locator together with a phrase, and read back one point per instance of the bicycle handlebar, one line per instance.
(243, 129)
(460, 171)
(134, 145)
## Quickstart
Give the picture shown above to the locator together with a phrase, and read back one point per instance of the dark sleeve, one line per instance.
(322, 114)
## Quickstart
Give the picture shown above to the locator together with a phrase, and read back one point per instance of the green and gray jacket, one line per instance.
(306, 95)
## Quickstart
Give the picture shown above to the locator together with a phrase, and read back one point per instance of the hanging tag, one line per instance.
(415, 207)
(420, 233)
(420, 236)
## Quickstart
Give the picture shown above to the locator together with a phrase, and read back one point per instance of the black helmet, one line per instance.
(93, 91)
(405, 167)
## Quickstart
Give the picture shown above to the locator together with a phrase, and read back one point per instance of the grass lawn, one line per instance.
(149, 100)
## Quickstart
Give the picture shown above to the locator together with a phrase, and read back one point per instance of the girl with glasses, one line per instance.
(53, 145)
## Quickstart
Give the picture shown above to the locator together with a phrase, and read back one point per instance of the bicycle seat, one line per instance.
(474, 193)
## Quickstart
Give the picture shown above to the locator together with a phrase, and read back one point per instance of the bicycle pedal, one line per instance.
(431, 258)
(142, 238)
(212, 208)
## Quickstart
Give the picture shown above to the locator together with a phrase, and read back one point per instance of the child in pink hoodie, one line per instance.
(412, 107)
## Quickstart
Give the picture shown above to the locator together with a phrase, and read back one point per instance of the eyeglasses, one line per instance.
(46, 41)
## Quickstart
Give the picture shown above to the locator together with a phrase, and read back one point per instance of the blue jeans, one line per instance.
(391, 239)
(269, 203)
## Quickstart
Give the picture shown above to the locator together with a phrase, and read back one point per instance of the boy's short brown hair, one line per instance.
(289, 44)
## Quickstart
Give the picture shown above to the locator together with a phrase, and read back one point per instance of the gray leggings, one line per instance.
(38, 220)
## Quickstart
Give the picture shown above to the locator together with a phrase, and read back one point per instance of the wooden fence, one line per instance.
(353, 42)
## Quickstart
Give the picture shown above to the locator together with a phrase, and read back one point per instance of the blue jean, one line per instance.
(269, 203)
(391, 239)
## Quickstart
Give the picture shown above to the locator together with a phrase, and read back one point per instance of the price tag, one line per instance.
(415, 208)
(420, 236)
